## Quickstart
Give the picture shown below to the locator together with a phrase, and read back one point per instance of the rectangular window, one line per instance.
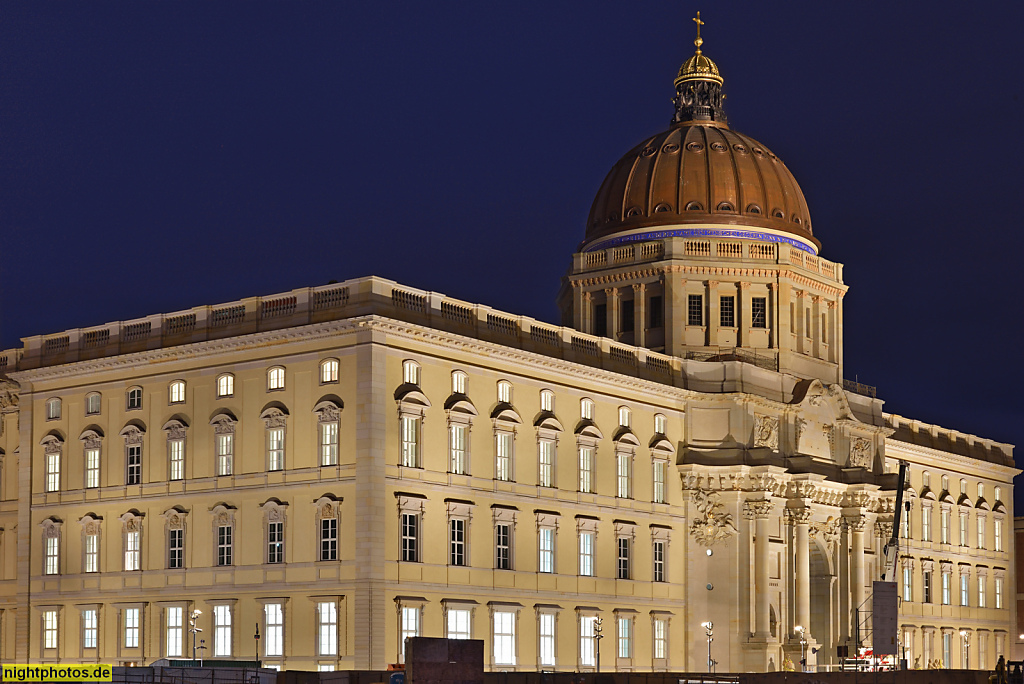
(52, 556)
(981, 592)
(410, 627)
(660, 468)
(221, 631)
(459, 624)
(225, 454)
(134, 457)
(53, 472)
(945, 589)
(586, 468)
(905, 525)
(92, 553)
(695, 309)
(457, 443)
(503, 456)
(624, 479)
(999, 592)
(998, 531)
(176, 459)
(504, 638)
(660, 638)
(328, 539)
(944, 526)
(410, 537)
(981, 532)
(132, 550)
(758, 312)
(588, 652)
(622, 543)
(964, 591)
(275, 542)
(546, 549)
(327, 628)
(49, 629)
(926, 524)
(273, 644)
(328, 444)
(727, 311)
(90, 629)
(92, 468)
(626, 324)
(587, 554)
(926, 587)
(503, 546)
(457, 541)
(625, 640)
(131, 627)
(92, 404)
(175, 631)
(907, 586)
(546, 633)
(656, 312)
(176, 548)
(546, 458)
(410, 441)
(947, 650)
(963, 529)
(601, 320)
(224, 544)
(659, 561)
(275, 449)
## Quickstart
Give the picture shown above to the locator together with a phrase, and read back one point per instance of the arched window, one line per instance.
(133, 398)
(328, 371)
(997, 493)
(945, 483)
(926, 479)
(410, 372)
(53, 408)
(93, 402)
(587, 409)
(625, 417)
(225, 385)
(176, 392)
(275, 378)
(505, 391)
(547, 400)
(660, 423)
(981, 490)
(458, 382)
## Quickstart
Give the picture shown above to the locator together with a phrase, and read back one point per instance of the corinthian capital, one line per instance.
(760, 509)
(855, 523)
(798, 516)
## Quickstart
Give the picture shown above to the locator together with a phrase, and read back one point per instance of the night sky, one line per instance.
(157, 156)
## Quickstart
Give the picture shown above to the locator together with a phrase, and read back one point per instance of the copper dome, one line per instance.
(699, 172)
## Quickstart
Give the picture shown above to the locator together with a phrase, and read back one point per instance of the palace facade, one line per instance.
(345, 466)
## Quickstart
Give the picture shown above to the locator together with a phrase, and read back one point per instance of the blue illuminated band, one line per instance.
(647, 235)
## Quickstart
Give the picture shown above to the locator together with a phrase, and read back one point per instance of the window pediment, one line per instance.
(661, 447)
(505, 411)
(547, 420)
(588, 428)
(133, 432)
(625, 437)
(411, 394)
(460, 403)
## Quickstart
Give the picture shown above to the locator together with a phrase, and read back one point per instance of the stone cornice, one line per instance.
(956, 461)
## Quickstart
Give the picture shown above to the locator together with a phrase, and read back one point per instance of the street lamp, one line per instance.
(803, 647)
(709, 630)
(257, 638)
(597, 637)
(966, 636)
(193, 616)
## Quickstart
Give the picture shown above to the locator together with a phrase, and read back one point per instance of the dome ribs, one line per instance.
(721, 172)
(639, 181)
(665, 174)
(693, 176)
(787, 199)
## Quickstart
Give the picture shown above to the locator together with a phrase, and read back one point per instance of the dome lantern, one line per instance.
(699, 87)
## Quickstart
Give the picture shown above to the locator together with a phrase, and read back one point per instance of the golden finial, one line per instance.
(698, 41)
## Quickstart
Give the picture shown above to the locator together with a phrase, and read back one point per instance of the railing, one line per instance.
(766, 361)
(230, 315)
(858, 388)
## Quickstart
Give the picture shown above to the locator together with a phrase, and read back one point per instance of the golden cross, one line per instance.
(699, 41)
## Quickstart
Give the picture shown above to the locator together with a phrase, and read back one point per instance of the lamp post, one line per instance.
(803, 647)
(709, 631)
(193, 616)
(257, 638)
(597, 637)
(966, 636)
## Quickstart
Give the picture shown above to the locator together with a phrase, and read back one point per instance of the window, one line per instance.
(134, 464)
(586, 468)
(947, 650)
(926, 479)
(945, 483)
(329, 443)
(587, 409)
(625, 637)
(588, 651)
(410, 441)
(176, 392)
(963, 529)
(91, 552)
(459, 382)
(503, 456)
(132, 550)
(626, 322)
(225, 453)
(727, 313)
(926, 523)
(410, 372)
(505, 391)
(926, 587)
(963, 487)
(547, 400)
(90, 628)
(224, 544)
(656, 312)
(759, 312)
(131, 627)
(503, 546)
(660, 424)
(225, 385)
(998, 532)
(546, 638)
(457, 541)
(457, 445)
(93, 404)
(944, 526)
(625, 417)
(328, 539)
(623, 558)
(964, 591)
(328, 371)
(660, 468)
(410, 627)
(175, 459)
(53, 409)
(981, 532)
(601, 320)
(546, 462)
(133, 399)
(176, 548)
(52, 565)
(999, 592)
(587, 554)
(221, 631)
(504, 638)
(52, 468)
(546, 549)
(659, 560)
(945, 589)
(908, 592)
(49, 629)
(275, 449)
(905, 525)
(459, 623)
(410, 537)
(624, 475)
(997, 493)
(981, 490)
(275, 542)
(981, 591)
(660, 638)
(273, 644)
(695, 309)
(327, 628)
(175, 631)
(275, 378)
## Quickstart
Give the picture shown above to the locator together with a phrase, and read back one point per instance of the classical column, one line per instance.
(639, 314)
(760, 511)
(675, 311)
(800, 518)
(855, 524)
(816, 326)
(588, 312)
(612, 306)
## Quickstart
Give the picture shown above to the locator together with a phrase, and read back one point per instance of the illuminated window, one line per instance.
(411, 372)
(90, 629)
(660, 547)
(131, 627)
(981, 592)
(53, 466)
(52, 565)
(275, 448)
(225, 385)
(91, 562)
(328, 539)
(457, 541)
(49, 619)
(458, 382)
(93, 404)
(998, 532)
(175, 458)
(221, 631)
(503, 546)
(588, 641)
(624, 475)
(660, 424)
(327, 628)
(964, 591)
(660, 638)
(727, 312)
(547, 400)
(546, 460)
(132, 550)
(176, 548)
(505, 391)
(53, 409)
(622, 544)
(225, 453)
(175, 631)
(660, 469)
(273, 644)
(275, 542)
(546, 549)
(329, 443)
(133, 464)
(587, 554)
(275, 378)
(176, 392)
(328, 371)
(410, 537)
(225, 544)
(458, 461)
(504, 638)
(410, 441)
(625, 637)
(908, 594)
(546, 635)
(625, 417)
(503, 447)
(459, 624)
(586, 468)
(587, 409)
(410, 627)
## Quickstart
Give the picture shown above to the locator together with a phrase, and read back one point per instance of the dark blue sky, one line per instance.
(156, 156)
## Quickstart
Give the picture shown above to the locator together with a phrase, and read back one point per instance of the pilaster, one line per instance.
(639, 315)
